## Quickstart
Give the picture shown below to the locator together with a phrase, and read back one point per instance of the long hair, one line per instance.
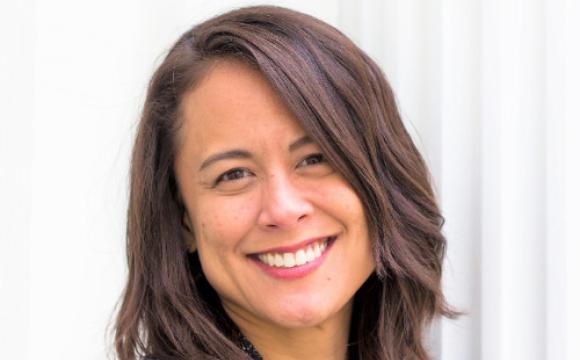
(344, 103)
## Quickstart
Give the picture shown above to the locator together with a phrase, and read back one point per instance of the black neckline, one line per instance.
(248, 347)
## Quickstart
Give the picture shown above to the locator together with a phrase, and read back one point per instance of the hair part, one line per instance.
(344, 103)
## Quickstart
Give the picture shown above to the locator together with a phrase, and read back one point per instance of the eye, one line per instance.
(232, 175)
(312, 159)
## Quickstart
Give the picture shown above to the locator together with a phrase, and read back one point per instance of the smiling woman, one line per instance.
(278, 207)
(280, 235)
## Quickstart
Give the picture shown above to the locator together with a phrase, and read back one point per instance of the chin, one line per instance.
(301, 316)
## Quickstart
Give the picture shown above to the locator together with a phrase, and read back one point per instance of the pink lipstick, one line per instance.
(293, 262)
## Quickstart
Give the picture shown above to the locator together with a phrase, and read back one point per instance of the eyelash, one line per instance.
(319, 157)
(223, 177)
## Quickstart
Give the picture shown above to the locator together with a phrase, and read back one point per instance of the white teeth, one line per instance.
(278, 260)
(310, 254)
(289, 260)
(317, 250)
(270, 260)
(300, 257)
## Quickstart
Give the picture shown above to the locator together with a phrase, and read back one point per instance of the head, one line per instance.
(265, 129)
(254, 184)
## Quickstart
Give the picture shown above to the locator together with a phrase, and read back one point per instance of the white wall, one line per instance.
(489, 90)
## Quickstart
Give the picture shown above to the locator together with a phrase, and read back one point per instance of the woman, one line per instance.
(278, 208)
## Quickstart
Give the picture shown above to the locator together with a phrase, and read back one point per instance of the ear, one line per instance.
(187, 232)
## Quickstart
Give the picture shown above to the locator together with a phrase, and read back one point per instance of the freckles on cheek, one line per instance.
(214, 231)
(226, 223)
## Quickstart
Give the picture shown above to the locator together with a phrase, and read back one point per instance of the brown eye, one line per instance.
(312, 159)
(232, 175)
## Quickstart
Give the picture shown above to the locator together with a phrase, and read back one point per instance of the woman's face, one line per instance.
(281, 236)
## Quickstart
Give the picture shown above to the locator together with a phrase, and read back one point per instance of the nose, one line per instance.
(284, 205)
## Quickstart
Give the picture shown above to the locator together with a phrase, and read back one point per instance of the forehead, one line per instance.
(232, 104)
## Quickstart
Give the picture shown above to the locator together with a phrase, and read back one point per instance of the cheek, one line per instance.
(348, 209)
(343, 201)
(223, 222)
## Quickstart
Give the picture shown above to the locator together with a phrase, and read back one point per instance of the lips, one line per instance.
(296, 264)
(294, 248)
(303, 255)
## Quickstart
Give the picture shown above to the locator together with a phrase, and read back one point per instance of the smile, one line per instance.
(291, 259)
(296, 261)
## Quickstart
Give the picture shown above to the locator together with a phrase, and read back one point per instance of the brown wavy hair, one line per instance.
(344, 103)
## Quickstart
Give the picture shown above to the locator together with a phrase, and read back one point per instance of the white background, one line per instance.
(489, 90)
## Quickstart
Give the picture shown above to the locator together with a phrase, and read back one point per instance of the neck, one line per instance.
(326, 341)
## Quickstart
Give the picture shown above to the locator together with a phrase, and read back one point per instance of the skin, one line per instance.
(276, 197)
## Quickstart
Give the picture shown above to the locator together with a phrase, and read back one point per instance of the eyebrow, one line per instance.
(243, 154)
(305, 140)
(231, 154)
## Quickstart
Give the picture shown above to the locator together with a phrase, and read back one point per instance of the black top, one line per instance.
(248, 348)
